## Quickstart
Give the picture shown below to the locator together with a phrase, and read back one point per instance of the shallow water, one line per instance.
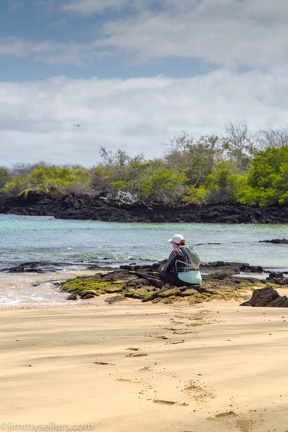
(30, 289)
(72, 245)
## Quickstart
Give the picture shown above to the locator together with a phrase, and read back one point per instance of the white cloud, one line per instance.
(88, 7)
(227, 33)
(139, 115)
(47, 51)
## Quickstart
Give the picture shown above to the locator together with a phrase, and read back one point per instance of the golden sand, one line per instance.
(134, 367)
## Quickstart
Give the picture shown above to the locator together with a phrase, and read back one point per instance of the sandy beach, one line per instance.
(133, 367)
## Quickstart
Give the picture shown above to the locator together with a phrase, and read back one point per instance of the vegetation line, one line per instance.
(237, 168)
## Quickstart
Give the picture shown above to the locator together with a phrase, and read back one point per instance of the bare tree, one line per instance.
(23, 169)
(196, 158)
(275, 138)
(239, 144)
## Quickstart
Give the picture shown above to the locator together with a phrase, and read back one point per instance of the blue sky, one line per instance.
(135, 74)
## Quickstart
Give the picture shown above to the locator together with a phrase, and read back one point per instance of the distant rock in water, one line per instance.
(266, 297)
(276, 241)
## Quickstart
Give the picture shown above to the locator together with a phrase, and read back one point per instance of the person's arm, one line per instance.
(171, 260)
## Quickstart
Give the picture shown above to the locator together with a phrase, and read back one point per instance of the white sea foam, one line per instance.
(28, 289)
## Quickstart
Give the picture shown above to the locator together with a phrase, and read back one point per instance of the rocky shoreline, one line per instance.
(221, 280)
(88, 207)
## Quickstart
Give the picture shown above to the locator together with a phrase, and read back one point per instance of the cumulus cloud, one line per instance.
(139, 115)
(226, 33)
(229, 33)
(244, 40)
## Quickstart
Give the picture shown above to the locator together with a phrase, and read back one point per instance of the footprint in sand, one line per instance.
(164, 402)
(160, 337)
(240, 422)
(225, 415)
(199, 318)
(128, 380)
(167, 402)
(171, 342)
(145, 369)
(198, 391)
(136, 355)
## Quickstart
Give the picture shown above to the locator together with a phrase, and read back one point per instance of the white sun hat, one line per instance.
(177, 238)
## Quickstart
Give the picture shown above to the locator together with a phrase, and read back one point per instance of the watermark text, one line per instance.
(51, 426)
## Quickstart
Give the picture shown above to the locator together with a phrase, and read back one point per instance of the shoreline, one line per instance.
(95, 207)
(22, 287)
(137, 366)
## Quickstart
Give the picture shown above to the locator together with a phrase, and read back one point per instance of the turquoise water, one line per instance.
(72, 245)
(26, 238)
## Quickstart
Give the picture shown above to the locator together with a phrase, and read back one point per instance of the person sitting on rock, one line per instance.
(182, 266)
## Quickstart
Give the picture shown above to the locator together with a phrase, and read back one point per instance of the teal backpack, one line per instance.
(193, 255)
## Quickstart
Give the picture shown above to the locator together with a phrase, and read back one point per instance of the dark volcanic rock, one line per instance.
(95, 207)
(142, 282)
(251, 269)
(266, 297)
(276, 241)
(36, 267)
(277, 278)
